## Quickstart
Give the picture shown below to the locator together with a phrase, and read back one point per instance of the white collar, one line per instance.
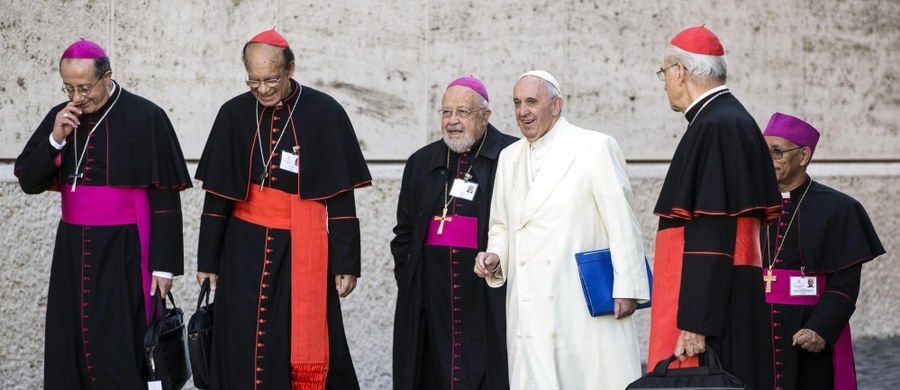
(548, 137)
(705, 94)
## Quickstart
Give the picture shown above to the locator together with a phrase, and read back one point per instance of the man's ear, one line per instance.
(557, 106)
(805, 156)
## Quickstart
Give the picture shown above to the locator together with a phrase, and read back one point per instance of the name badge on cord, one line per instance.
(803, 286)
(155, 385)
(290, 162)
(463, 189)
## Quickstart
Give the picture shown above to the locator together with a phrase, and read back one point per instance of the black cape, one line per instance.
(95, 329)
(331, 160)
(721, 166)
(721, 173)
(831, 235)
(482, 360)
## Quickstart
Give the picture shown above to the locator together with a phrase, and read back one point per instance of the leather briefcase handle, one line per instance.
(158, 307)
(711, 362)
(204, 294)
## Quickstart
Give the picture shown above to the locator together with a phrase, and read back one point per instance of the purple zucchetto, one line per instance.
(472, 83)
(84, 48)
(792, 129)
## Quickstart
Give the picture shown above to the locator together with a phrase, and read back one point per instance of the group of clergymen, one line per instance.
(760, 264)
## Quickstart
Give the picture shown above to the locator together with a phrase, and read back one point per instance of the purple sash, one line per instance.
(844, 370)
(781, 288)
(110, 206)
(458, 231)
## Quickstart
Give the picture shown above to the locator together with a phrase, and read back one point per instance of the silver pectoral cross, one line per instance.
(75, 177)
(262, 179)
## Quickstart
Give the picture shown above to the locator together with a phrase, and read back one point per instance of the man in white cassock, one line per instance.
(559, 191)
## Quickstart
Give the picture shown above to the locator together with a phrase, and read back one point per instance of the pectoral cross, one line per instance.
(75, 177)
(769, 278)
(262, 179)
(443, 218)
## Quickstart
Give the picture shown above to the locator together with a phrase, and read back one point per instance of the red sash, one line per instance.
(307, 221)
(667, 263)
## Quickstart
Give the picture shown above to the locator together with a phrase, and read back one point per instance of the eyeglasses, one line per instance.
(777, 153)
(461, 113)
(82, 90)
(661, 73)
(271, 83)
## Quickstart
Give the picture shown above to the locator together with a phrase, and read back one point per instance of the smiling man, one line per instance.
(560, 191)
(279, 237)
(116, 162)
(449, 326)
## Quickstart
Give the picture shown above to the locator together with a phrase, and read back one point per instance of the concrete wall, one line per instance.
(831, 62)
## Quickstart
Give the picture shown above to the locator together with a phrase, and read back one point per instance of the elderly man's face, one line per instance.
(536, 112)
(464, 119)
(790, 169)
(78, 75)
(674, 83)
(265, 65)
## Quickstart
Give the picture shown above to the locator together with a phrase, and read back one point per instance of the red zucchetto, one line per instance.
(270, 37)
(699, 40)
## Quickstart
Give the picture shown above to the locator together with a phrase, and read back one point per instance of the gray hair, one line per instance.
(704, 70)
(481, 103)
(552, 92)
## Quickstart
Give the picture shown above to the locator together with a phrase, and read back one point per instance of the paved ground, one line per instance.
(877, 363)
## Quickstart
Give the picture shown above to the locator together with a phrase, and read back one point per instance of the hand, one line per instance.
(624, 307)
(213, 278)
(689, 344)
(809, 340)
(486, 263)
(164, 285)
(344, 284)
(66, 121)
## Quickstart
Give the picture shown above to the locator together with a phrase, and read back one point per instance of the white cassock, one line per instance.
(579, 200)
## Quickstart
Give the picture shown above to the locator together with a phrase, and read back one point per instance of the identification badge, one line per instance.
(463, 189)
(155, 385)
(290, 162)
(802, 286)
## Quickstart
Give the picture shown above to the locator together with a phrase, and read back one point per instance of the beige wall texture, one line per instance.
(832, 62)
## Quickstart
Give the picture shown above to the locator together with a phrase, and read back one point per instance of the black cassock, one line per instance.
(719, 189)
(830, 236)
(449, 326)
(252, 329)
(95, 307)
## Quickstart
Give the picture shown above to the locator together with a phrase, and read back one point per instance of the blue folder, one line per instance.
(596, 273)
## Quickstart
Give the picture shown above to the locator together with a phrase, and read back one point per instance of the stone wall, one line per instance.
(28, 225)
(831, 62)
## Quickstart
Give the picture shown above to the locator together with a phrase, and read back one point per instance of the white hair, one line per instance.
(703, 69)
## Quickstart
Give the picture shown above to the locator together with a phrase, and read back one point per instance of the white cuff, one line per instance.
(164, 274)
(56, 145)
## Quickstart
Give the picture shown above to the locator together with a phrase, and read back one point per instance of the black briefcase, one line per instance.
(709, 375)
(200, 338)
(165, 345)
